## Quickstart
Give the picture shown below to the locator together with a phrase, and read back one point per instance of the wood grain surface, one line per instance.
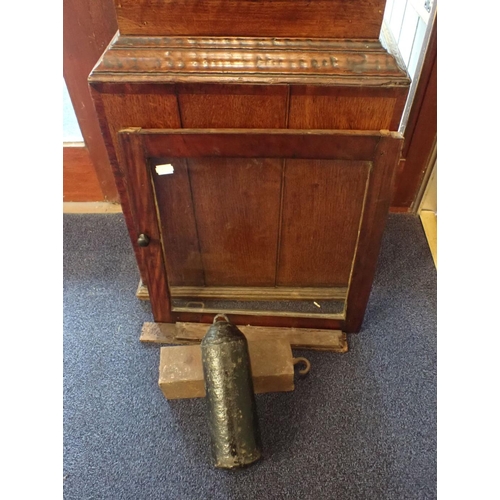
(138, 110)
(258, 143)
(272, 321)
(328, 112)
(141, 198)
(299, 338)
(181, 369)
(249, 60)
(322, 206)
(233, 106)
(88, 27)
(80, 181)
(371, 229)
(325, 18)
(421, 131)
(260, 293)
(226, 201)
(178, 225)
(237, 206)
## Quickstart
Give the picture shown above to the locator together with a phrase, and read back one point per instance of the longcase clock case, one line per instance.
(254, 159)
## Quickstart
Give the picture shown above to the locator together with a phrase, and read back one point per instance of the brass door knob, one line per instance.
(143, 240)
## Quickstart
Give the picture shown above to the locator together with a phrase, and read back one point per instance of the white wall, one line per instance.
(409, 22)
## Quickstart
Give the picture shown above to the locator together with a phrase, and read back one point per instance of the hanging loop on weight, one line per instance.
(221, 315)
(304, 361)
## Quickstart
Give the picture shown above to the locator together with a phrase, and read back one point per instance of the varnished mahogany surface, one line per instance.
(263, 143)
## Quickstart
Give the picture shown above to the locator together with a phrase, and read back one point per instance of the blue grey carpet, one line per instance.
(361, 426)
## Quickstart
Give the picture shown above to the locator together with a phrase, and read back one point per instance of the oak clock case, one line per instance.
(254, 172)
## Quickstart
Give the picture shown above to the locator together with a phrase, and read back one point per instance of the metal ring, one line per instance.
(195, 304)
(305, 361)
(223, 315)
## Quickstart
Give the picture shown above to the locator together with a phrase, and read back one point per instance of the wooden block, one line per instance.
(181, 372)
(298, 338)
(272, 365)
(161, 333)
(181, 369)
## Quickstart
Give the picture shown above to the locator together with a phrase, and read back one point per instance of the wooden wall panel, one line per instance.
(238, 235)
(322, 204)
(80, 182)
(88, 27)
(287, 18)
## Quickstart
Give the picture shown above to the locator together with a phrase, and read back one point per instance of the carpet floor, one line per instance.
(362, 425)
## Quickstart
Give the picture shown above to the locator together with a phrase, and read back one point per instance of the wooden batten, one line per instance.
(270, 143)
(298, 338)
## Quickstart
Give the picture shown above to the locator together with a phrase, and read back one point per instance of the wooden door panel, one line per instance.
(304, 216)
(322, 208)
(237, 204)
(178, 225)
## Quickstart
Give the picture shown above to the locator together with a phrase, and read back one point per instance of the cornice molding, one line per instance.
(249, 60)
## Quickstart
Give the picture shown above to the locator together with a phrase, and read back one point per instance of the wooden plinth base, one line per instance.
(298, 338)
